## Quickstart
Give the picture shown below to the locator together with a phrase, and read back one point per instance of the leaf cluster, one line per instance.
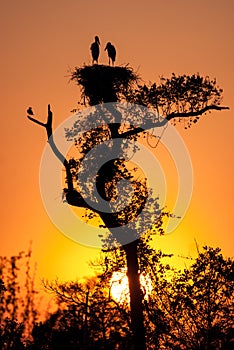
(180, 93)
(187, 310)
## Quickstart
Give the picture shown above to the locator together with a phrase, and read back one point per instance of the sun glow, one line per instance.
(120, 287)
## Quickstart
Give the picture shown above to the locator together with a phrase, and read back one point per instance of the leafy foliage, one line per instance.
(179, 97)
(186, 310)
(89, 306)
(124, 203)
(178, 94)
(198, 304)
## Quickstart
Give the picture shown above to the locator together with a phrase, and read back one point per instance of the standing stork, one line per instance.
(111, 52)
(95, 49)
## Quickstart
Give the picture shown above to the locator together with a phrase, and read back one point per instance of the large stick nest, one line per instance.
(100, 83)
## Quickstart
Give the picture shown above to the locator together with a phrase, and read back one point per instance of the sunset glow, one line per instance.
(120, 288)
(43, 41)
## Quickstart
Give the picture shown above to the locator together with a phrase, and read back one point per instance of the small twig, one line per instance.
(37, 121)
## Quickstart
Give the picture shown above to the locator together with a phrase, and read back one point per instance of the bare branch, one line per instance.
(72, 196)
(47, 125)
(173, 115)
(36, 121)
(195, 113)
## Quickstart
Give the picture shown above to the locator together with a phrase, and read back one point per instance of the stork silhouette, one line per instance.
(95, 49)
(111, 52)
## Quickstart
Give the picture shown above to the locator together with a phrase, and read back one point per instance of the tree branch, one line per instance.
(144, 127)
(36, 121)
(173, 115)
(195, 113)
(72, 196)
(47, 125)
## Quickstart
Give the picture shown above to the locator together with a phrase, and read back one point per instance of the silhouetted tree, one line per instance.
(199, 304)
(178, 98)
(189, 309)
(185, 310)
(89, 306)
(17, 301)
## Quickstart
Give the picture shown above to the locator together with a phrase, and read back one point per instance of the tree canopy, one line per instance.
(102, 178)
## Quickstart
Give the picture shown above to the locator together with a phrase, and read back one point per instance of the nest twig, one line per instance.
(101, 84)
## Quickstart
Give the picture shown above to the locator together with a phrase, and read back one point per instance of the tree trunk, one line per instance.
(136, 296)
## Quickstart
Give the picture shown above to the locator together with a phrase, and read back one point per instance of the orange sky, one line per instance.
(41, 40)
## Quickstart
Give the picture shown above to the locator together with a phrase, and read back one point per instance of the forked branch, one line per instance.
(72, 196)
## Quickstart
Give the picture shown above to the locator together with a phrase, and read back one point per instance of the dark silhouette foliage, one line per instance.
(18, 311)
(184, 98)
(184, 310)
(196, 306)
(187, 310)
